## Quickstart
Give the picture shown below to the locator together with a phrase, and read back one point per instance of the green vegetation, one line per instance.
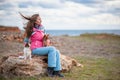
(102, 34)
(99, 69)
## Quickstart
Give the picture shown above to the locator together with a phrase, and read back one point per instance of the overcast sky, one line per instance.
(63, 14)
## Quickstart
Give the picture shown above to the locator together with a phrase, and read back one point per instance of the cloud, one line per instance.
(64, 14)
(41, 3)
(84, 1)
(6, 6)
(108, 6)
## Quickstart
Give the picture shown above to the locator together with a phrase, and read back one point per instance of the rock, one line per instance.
(13, 66)
(13, 37)
(67, 63)
(9, 28)
(10, 33)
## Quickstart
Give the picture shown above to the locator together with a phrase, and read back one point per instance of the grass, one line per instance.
(94, 69)
(99, 69)
(102, 36)
(101, 43)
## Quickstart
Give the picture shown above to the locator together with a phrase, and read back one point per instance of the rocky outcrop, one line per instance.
(12, 37)
(14, 66)
(9, 29)
(10, 34)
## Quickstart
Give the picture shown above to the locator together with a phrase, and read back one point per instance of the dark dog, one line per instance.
(46, 40)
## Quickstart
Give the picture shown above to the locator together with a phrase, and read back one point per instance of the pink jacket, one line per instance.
(36, 39)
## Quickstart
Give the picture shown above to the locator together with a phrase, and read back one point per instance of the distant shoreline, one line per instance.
(79, 32)
(65, 32)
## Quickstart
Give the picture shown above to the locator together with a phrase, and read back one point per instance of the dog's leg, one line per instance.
(30, 57)
(25, 56)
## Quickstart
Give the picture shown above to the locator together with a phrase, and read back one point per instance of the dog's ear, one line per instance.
(26, 45)
(46, 36)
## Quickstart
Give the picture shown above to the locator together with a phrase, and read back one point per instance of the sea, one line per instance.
(79, 32)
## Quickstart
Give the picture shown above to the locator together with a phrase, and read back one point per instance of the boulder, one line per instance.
(12, 65)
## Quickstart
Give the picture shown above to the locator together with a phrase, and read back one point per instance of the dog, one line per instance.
(27, 52)
(46, 40)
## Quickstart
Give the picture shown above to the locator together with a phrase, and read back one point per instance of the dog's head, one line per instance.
(27, 45)
(46, 40)
(46, 36)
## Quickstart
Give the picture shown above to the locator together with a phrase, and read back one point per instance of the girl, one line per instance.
(35, 33)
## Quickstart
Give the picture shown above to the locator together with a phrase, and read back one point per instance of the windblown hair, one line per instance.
(30, 24)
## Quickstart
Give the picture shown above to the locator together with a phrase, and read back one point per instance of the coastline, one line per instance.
(79, 32)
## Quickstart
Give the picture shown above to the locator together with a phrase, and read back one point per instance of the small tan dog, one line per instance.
(27, 52)
(46, 40)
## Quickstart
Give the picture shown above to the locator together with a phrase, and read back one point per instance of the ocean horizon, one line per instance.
(79, 32)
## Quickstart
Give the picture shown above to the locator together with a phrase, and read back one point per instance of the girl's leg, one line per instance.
(58, 62)
(53, 59)
(57, 69)
(50, 51)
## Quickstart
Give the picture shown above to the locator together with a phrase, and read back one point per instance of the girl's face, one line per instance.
(38, 21)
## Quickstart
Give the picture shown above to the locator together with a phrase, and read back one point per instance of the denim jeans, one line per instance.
(53, 56)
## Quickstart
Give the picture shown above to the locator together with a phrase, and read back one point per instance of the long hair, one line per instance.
(30, 24)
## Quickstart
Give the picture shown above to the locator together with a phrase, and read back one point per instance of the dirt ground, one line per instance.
(84, 45)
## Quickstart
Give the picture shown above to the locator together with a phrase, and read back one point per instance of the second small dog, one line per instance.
(27, 52)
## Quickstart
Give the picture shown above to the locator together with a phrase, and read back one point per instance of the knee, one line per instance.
(52, 48)
(58, 52)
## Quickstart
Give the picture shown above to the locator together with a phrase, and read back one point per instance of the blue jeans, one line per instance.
(53, 56)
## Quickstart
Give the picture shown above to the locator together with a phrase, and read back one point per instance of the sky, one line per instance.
(63, 14)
